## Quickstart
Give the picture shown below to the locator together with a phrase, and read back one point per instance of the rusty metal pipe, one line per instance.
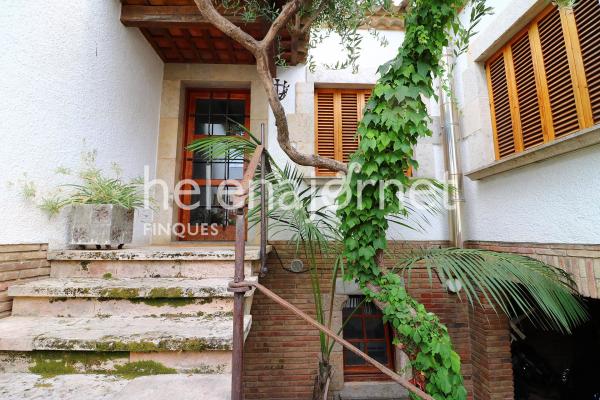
(237, 368)
(263, 205)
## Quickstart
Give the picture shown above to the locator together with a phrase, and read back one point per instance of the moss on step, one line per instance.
(166, 293)
(159, 302)
(208, 369)
(142, 368)
(107, 275)
(176, 344)
(84, 265)
(120, 293)
(50, 368)
(49, 364)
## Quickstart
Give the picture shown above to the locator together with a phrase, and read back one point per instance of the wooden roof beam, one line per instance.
(166, 16)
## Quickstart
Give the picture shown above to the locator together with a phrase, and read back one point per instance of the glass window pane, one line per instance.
(374, 328)
(217, 170)
(218, 124)
(203, 106)
(200, 170)
(353, 328)
(236, 124)
(237, 107)
(201, 125)
(207, 207)
(378, 351)
(236, 170)
(219, 107)
(352, 359)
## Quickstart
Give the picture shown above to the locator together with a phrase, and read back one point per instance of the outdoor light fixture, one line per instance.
(281, 87)
(296, 266)
(453, 285)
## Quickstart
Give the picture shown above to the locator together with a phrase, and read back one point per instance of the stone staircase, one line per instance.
(127, 313)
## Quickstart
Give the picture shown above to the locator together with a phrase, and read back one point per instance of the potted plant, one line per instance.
(100, 208)
(102, 211)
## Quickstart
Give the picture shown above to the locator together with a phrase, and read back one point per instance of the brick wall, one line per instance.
(20, 263)
(582, 261)
(282, 351)
(490, 354)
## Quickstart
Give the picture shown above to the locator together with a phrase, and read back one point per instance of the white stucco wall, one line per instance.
(72, 79)
(553, 201)
(299, 105)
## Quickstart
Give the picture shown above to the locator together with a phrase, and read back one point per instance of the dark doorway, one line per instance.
(553, 366)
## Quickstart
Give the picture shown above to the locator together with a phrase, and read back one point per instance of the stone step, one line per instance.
(103, 387)
(373, 391)
(124, 288)
(126, 334)
(166, 262)
(89, 297)
(112, 363)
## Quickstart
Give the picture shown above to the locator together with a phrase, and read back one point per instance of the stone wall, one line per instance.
(178, 78)
(20, 263)
(282, 351)
(581, 260)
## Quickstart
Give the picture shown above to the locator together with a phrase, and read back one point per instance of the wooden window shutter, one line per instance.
(337, 113)
(500, 106)
(528, 107)
(325, 127)
(587, 17)
(563, 105)
(350, 113)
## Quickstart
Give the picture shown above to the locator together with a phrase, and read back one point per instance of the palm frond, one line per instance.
(218, 147)
(292, 209)
(515, 283)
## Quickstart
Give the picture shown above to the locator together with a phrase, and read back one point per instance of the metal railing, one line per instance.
(239, 286)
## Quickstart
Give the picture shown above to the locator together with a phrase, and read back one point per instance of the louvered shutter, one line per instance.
(587, 17)
(560, 85)
(529, 110)
(325, 127)
(500, 105)
(349, 114)
(338, 112)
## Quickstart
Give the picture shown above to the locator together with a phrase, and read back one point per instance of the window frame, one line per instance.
(337, 119)
(576, 72)
(367, 372)
(224, 232)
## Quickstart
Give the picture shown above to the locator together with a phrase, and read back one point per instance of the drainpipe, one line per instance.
(450, 130)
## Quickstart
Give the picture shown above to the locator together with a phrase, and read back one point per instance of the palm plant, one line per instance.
(95, 188)
(515, 284)
(311, 230)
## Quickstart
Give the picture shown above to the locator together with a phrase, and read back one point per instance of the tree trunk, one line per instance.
(321, 387)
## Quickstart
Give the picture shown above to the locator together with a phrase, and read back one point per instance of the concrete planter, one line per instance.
(100, 225)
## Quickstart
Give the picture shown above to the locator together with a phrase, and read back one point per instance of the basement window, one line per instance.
(365, 329)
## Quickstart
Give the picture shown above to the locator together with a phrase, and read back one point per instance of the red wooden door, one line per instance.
(211, 113)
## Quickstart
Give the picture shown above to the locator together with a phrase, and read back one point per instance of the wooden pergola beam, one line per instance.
(166, 16)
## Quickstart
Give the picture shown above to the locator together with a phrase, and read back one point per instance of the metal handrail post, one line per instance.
(237, 368)
(263, 205)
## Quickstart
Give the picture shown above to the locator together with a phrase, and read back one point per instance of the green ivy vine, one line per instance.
(395, 118)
